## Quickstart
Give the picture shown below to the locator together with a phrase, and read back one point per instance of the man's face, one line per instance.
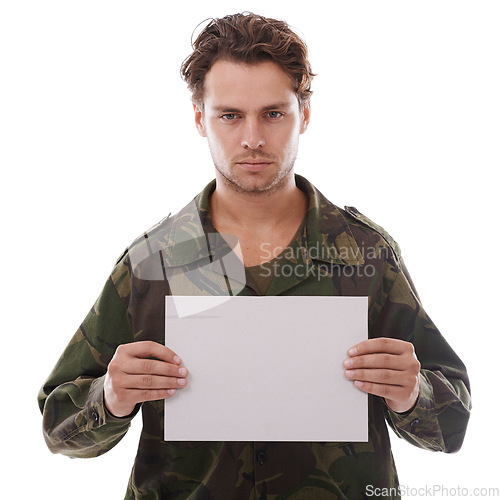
(252, 122)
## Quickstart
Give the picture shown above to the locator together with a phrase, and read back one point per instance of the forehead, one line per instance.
(247, 85)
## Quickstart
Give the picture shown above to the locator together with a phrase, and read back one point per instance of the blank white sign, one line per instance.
(266, 369)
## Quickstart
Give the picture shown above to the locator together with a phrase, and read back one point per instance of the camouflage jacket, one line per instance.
(340, 252)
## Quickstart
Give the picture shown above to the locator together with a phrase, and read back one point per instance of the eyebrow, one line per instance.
(231, 109)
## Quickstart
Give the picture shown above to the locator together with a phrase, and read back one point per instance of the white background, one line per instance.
(98, 144)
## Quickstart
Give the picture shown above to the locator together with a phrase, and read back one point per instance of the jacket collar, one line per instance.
(191, 235)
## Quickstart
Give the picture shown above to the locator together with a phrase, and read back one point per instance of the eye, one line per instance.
(229, 117)
(274, 115)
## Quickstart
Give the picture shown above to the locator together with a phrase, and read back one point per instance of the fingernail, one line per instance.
(177, 360)
(349, 373)
(352, 351)
(182, 372)
(358, 384)
(171, 391)
(181, 381)
(348, 363)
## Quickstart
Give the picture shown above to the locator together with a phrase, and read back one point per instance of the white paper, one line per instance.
(266, 369)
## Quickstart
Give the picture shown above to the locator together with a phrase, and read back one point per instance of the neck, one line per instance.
(250, 211)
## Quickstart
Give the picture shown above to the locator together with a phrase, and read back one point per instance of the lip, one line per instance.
(254, 166)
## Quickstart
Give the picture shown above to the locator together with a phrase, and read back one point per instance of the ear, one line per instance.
(306, 117)
(198, 120)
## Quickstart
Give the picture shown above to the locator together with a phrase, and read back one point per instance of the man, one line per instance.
(250, 80)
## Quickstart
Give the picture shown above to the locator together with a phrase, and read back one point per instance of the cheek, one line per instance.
(291, 143)
(289, 133)
(218, 148)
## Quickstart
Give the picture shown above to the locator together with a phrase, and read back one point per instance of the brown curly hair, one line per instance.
(248, 38)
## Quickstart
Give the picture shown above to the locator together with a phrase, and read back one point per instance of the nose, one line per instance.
(253, 134)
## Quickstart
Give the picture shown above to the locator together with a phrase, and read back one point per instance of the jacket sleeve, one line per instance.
(439, 418)
(75, 420)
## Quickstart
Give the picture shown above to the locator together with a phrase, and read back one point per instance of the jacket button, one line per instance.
(95, 416)
(261, 457)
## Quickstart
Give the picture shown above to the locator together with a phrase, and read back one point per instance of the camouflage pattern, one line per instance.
(338, 252)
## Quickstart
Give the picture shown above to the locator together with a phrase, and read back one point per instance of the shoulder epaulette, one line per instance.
(354, 212)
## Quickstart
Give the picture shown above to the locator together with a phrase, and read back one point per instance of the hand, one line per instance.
(388, 368)
(133, 378)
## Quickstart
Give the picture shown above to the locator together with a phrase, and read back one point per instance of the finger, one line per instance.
(391, 392)
(381, 345)
(140, 396)
(386, 377)
(151, 382)
(379, 360)
(137, 366)
(170, 393)
(147, 349)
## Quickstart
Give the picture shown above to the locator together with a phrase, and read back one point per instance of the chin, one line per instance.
(256, 187)
(251, 183)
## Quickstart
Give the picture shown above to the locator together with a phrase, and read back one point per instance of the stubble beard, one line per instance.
(246, 185)
(257, 188)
